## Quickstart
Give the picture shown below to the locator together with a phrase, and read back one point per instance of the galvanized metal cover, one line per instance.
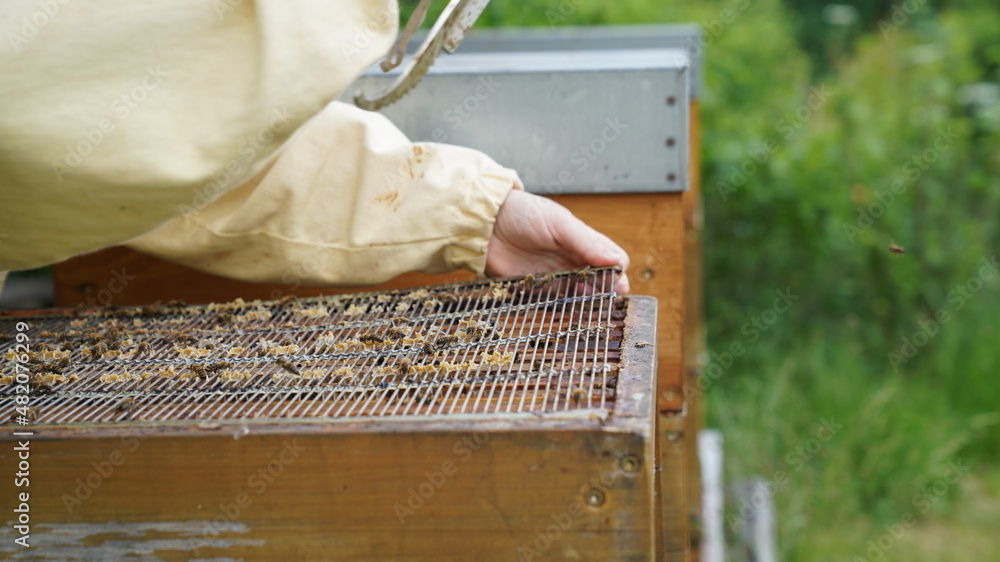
(608, 121)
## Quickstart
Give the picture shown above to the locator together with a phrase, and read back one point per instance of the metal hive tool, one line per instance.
(543, 344)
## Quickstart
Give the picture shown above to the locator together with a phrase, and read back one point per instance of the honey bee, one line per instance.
(399, 321)
(151, 310)
(584, 273)
(394, 334)
(475, 332)
(182, 338)
(224, 317)
(404, 366)
(55, 367)
(447, 341)
(175, 304)
(287, 365)
(38, 388)
(30, 413)
(92, 337)
(218, 366)
(539, 282)
(537, 365)
(447, 298)
(641, 344)
(577, 395)
(428, 347)
(371, 338)
(286, 341)
(126, 405)
(896, 249)
(143, 347)
(199, 370)
(99, 349)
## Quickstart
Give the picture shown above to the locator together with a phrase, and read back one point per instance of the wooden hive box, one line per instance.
(525, 429)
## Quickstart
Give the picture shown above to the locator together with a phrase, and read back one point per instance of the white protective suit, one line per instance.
(203, 132)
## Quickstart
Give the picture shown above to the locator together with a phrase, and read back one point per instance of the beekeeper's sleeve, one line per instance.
(117, 119)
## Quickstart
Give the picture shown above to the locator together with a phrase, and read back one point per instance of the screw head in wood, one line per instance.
(593, 497)
(630, 464)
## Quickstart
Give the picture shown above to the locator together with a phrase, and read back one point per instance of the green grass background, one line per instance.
(897, 75)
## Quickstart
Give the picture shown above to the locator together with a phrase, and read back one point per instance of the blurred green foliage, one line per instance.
(829, 133)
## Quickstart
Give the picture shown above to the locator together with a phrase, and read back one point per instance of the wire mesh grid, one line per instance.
(536, 344)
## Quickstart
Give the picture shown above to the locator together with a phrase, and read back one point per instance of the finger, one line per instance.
(588, 245)
(622, 287)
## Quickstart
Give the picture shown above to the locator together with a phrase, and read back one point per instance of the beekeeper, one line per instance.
(204, 133)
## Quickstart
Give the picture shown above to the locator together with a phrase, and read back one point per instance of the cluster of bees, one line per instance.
(51, 362)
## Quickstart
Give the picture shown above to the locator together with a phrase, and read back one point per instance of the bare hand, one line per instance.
(533, 234)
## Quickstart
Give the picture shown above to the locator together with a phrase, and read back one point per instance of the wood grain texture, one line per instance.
(341, 496)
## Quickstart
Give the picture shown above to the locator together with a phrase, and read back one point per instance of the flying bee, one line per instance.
(287, 365)
(447, 341)
(143, 347)
(126, 405)
(896, 249)
(394, 334)
(577, 395)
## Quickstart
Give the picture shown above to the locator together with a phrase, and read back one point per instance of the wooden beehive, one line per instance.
(659, 229)
(492, 420)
